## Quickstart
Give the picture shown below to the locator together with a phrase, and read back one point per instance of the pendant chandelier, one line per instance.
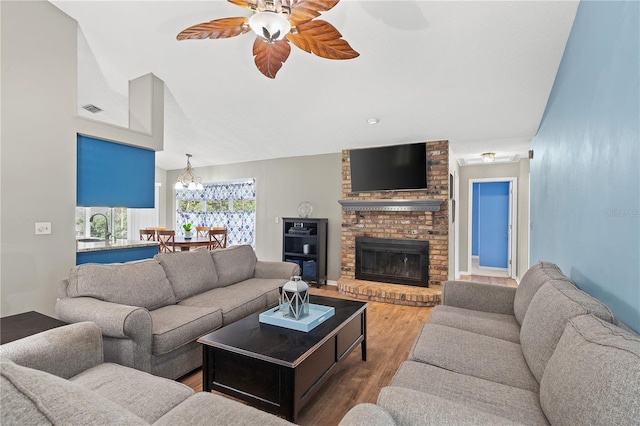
(188, 180)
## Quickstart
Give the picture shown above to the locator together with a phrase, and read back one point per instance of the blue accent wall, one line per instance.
(474, 220)
(114, 175)
(585, 184)
(493, 224)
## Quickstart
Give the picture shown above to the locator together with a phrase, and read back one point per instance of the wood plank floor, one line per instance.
(391, 330)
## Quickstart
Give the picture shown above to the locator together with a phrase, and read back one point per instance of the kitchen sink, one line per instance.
(89, 240)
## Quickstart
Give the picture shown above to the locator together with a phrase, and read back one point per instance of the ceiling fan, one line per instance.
(277, 23)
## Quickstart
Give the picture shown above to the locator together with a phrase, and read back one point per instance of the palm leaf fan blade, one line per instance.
(322, 39)
(269, 57)
(218, 28)
(306, 10)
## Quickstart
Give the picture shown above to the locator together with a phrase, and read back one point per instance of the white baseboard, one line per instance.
(333, 283)
(462, 273)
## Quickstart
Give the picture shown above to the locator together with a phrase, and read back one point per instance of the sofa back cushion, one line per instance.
(531, 282)
(32, 397)
(551, 307)
(141, 283)
(593, 377)
(234, 264)
(189, 272)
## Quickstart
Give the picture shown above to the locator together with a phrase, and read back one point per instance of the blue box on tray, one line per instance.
(317, 315)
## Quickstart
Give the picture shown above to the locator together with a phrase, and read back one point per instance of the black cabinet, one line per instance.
(304, 241)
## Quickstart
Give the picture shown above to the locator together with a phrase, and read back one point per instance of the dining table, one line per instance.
(185, 244)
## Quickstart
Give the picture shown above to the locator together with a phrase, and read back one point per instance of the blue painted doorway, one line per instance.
(490, 224)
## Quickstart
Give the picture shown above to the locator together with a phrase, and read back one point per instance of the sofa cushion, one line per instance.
(593, 377)
(458, 350)
(238, 300)
(550, 308)
(34, 397)
(516, 405)
(502, 326)
(234, 264)
(531, 282)
(141, 283)
(147, 396)
(209, 408)
(177, 325)
(189, 272)
(410, 407)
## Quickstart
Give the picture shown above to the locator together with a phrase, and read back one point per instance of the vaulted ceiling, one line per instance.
(477, 73)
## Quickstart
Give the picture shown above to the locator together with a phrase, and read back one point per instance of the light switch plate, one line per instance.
(43, 228)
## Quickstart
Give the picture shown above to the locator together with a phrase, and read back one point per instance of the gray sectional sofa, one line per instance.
(59, 377)
(151, 312)
(542, 353)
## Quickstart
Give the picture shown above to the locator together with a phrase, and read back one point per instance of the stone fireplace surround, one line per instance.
(419, 214)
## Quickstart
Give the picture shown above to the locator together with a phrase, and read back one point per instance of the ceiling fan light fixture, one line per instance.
(270, 26)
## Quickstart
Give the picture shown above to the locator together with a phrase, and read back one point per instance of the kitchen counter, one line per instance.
(112, 245)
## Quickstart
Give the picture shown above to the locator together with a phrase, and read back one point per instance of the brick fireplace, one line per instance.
(401, 215)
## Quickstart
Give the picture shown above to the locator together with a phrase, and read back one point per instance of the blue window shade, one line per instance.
(114, 175)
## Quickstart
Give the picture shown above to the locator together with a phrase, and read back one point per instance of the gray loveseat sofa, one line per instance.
(151, 312)
(59, 377)
(544, 353)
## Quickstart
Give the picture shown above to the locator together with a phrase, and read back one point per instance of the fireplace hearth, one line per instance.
(395, 261)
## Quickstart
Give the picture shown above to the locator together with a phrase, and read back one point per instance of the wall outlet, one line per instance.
(43, 228)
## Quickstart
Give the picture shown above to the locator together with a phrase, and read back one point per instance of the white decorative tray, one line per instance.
(317, 315)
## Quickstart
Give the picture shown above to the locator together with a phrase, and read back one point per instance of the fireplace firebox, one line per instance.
(395, 261)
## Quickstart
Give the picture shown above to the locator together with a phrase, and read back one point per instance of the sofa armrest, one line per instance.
(284, 270)
(64, 351)
(478, 296)
(367, 414)
(116, 321)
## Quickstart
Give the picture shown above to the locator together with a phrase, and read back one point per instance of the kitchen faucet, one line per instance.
(107, 234)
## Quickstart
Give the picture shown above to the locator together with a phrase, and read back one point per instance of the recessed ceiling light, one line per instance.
(373, 120)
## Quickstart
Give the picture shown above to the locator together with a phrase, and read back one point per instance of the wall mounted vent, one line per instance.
(92, 108)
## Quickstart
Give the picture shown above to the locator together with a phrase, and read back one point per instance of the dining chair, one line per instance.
(202, 231)
(147, 235)
(217, 238)
(167, 241)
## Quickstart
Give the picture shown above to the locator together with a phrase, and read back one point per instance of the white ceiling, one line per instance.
(476, 73)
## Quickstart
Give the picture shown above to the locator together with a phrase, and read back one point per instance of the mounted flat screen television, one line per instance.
(389, 168)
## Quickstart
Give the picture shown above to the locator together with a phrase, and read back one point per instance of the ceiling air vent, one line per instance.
(92, 108)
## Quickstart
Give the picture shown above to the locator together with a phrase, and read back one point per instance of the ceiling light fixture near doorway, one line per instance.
(189, 180)
(373, 121)
(488, 157)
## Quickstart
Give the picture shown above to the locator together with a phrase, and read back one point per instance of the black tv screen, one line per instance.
(389, 168)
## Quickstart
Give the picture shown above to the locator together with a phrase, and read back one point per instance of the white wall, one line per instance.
(282, 184)
(38, 146)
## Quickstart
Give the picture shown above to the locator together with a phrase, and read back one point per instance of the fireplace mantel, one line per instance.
(391, 205)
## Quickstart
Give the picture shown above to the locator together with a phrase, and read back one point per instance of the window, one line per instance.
(114, 218)
(230, 205)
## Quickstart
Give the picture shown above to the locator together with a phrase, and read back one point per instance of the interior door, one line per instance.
(493, 224)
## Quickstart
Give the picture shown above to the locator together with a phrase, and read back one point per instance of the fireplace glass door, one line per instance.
(392, 261)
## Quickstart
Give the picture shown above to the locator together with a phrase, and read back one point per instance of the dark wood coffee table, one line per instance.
(17, 326)
(278, 369)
